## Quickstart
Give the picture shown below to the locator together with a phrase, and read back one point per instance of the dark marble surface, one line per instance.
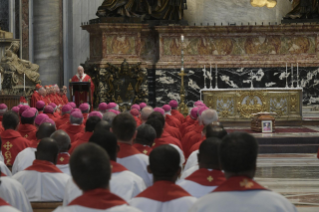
(4, 15)
(168, 82)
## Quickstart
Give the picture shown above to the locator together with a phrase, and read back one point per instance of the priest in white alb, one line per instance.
(240, 193)
(123, 183)
(43, 181)
(164, 195)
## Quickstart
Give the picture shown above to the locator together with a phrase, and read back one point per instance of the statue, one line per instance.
(152, 9)
(20, 66)
(304, 9)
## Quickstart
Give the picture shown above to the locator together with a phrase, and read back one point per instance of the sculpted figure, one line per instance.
(21, 66)
(167, 9)
(303, 9)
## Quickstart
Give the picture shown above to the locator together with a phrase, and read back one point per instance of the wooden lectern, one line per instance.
(78, 87)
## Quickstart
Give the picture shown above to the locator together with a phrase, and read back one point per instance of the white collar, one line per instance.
(78, 76)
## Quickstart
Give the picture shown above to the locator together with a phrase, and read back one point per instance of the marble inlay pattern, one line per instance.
(25, 29)
(168, 81)
(296, 176)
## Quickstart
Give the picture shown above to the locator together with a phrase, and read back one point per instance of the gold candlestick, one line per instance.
(182, 106)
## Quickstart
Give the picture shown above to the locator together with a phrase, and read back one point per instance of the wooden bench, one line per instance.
(45, 206)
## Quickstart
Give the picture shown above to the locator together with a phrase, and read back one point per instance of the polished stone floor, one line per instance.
(296, 176)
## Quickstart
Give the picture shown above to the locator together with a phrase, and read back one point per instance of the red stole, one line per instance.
(79, 139)
(126, 150)
(43, 166)
(116, 167)
(63, 158)
(143, 148)
(28, 131)
(172, 121)
(12, 144)
(100, 199)
(2, 174)
(65, 118)
(178, 115)
(3, 203)
(164, 191)
(173, 131)
(166, 139)
(207, 177)
(72, 130)
(195, 147)
(239, 183)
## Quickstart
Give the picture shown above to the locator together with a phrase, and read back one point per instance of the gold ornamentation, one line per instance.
(263, 3)
(246, 183)
(145, 151)
(26, 136)
(8, 145)
(250, 102)
(7, 154)
(210, 179)
(293, 103)
(61, 159)
(182, 106)
(278, 104)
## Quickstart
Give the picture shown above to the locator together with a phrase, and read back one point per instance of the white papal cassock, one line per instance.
(202, 182)
(26, 157)
(134, 161)
(13, 192)
(43, 181)
(242, 194)
(4, 206)
(163, 196)
(5, 170)
(123, 183)
(97, 200)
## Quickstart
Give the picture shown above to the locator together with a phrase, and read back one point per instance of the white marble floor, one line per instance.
(296, 176)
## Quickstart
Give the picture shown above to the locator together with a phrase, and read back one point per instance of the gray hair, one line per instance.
(146, 112)
(109, 116)
(74, 120)
(209, 116)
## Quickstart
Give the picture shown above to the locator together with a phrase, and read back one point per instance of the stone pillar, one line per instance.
(48, 40)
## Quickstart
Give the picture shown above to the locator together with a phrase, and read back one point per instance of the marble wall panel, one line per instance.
(25, 29)
(168, 82)
(4, 15)
(47, 40)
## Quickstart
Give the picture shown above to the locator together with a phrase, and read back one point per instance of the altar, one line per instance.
(238, 105)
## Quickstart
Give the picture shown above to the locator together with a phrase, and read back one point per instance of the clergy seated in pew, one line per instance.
(238, 157)
(213, 130)
(43, 181)
(209, 175)
(26, 157)
(124, 128)
(144, 139)
(164, 195)
(87, 160)
(13, 142)
(163, 138)
(123, 183)
(14, 194)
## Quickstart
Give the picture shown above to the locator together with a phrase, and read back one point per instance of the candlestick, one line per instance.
(297, 75)
(0, 83)
(292, 75)
(182, 38)
(286, 76)
(216, 77)
(24, 82)
(204, 74)
(211, 76)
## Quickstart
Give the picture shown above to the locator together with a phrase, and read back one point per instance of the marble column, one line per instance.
(48, 40)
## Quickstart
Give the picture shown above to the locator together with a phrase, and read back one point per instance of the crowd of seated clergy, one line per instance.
(145, 159)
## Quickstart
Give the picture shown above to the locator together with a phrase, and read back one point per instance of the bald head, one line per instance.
(146, 112)
(80, 71)
(45, 130)
(63, 140)
(209, 116)
(47, 150)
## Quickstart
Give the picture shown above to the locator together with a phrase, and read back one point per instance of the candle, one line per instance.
(211, 75)
(0, 82)
(286, 75)
(297, 75)
(24, 83)
(216, 76)
(292, 75)
(182, 37)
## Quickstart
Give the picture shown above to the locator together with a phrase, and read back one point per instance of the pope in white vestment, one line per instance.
(123, 183)
(13, 192)
(43, 181)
